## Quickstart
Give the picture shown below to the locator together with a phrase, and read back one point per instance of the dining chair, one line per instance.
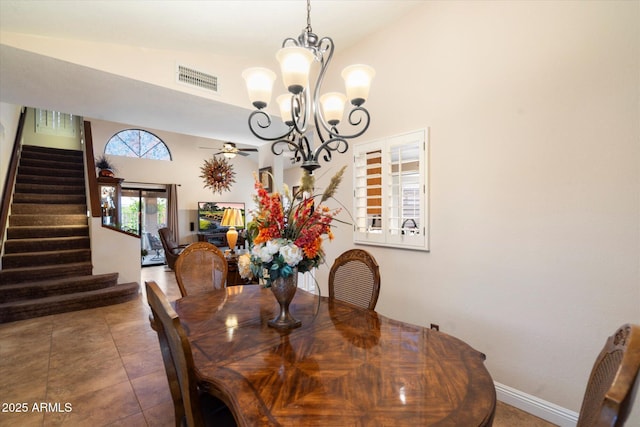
(192, 406)
(201, 267)
(355, 278)
(613, 380)
(171, 249)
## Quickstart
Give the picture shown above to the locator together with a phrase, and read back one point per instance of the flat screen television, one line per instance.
(210, 216)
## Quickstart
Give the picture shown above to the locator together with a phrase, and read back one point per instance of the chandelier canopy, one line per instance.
(299, 105)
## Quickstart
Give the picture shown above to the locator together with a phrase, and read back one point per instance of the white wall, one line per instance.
(112, 251)
(535, 180)
(184, 170)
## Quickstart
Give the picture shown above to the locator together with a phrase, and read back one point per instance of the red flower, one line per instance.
(302, 222)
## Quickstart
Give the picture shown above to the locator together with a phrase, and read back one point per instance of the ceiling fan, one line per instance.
(229, 150)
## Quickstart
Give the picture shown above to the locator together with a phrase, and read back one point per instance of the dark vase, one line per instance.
(284, 288)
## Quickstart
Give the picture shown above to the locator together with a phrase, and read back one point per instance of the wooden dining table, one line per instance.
(345, 366)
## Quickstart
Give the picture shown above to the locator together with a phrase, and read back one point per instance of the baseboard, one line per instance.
(535, 406)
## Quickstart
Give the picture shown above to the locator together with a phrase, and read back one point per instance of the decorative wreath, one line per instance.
(217, 174)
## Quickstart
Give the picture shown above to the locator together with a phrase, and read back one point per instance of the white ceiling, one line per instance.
(250, 28)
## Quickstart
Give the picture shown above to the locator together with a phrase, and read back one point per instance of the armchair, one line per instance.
(171, 249)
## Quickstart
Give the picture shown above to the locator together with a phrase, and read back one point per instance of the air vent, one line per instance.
(197, 78)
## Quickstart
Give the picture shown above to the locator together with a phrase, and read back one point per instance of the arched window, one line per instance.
(137, 143)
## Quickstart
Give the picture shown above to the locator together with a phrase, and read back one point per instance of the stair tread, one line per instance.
(35, 244)
(40, 149)
(51, 201)
(47, 215)
(58, 281)
(49, 209)
(48, 239)
(25, 227)
(46, 267)
(32, 231)
(70, 297)
(43, 253)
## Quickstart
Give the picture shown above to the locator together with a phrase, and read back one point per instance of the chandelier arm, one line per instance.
(324, 45)
(290, 39)
(352, 121)
(293, 148)
(300, 112)
(255, 116)
(296, 150)
(337, 143)
(292, 145)
(307, 153)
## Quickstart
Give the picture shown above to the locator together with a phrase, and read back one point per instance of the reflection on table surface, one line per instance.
(343, 366)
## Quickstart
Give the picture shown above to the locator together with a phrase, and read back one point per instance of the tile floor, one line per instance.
(102, 367)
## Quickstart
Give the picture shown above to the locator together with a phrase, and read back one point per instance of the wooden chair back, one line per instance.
(177, 357)
(355, 278)
(201, 267)
(613, 381)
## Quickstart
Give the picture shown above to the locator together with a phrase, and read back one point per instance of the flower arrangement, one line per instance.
(287, 231)
(217, 174)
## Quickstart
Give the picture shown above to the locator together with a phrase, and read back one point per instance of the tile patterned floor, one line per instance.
(102, 367)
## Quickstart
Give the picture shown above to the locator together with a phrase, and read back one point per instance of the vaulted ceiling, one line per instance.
(252, 29)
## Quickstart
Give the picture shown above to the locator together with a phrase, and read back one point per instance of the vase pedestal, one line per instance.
(284, 289)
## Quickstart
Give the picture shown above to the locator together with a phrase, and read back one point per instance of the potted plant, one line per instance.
(104, 166)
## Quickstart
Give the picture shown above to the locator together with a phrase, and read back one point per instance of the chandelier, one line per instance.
(298, 106)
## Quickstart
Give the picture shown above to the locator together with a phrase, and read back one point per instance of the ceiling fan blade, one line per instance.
(230, 148)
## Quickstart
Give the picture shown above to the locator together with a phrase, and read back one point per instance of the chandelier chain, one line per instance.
(309, 16)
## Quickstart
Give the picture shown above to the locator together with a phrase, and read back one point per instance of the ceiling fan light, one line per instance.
(295, 63)
(259, 83)
(357, 80)
(229, 155)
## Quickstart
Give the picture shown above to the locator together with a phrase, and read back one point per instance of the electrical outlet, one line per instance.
(435, 327)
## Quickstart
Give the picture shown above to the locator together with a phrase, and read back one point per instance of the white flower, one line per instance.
(264, 254)
(261, 253)
(292, 254)
(273, 246)
(255, 250)
(244, 266)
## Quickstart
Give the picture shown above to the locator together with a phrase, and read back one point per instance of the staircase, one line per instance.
(46, 266)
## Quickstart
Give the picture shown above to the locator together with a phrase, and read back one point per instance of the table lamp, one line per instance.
(232, 218)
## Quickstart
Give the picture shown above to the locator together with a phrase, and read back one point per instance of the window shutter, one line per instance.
(390, 184)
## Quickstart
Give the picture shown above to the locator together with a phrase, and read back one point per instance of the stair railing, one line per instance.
(90, 161)
(11, 176)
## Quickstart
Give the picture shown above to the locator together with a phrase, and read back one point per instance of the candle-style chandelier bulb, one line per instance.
(357, 81)
(333, 107)
(259, 85)
(295, 64)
